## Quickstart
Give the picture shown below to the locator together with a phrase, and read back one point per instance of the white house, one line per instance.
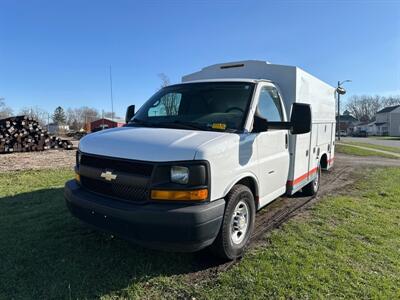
(369, 127)
(54, 128)
(388, 121)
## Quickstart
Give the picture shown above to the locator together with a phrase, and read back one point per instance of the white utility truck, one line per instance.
(194, 164)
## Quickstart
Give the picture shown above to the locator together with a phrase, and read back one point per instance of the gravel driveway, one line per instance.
(48, 159)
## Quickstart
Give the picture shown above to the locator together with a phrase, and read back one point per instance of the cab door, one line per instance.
(272, 145)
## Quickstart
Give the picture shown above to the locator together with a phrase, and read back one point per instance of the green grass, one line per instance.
(345, 247)
(384, 137)
(379, 147)
(361, 152)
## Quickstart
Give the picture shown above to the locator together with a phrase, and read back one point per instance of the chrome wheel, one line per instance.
(239, 222)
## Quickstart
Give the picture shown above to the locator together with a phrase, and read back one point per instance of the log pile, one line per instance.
(22, 133)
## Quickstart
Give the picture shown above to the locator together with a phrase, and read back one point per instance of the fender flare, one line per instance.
(241, 177)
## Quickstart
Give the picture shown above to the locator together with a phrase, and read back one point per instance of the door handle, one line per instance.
(286, 141)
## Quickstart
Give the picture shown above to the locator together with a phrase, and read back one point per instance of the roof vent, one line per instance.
(232, 66)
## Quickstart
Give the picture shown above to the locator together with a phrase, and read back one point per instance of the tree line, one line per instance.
(76, 118)
(365, 107)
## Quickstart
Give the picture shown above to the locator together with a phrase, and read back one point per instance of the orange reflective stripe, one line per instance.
(302, 177)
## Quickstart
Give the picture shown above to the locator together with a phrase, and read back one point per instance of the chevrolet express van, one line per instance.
(196, 162)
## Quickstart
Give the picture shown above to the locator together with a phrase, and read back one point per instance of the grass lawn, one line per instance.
(361, 152)
(384, 137)
(379, 147)
(345, 247)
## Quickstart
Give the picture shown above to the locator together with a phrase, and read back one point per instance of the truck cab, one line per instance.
(193, 165)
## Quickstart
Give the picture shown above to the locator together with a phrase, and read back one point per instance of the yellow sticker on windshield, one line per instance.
(220, 126)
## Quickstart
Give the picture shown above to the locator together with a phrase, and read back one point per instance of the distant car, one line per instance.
(361, 133)
(342, 133)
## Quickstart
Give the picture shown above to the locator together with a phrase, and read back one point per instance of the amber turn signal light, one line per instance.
(195, 195)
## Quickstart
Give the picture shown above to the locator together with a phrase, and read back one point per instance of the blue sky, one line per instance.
(58, 52)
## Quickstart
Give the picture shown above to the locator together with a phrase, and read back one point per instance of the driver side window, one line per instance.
(269, 105)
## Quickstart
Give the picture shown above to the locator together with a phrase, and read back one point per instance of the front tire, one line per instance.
(237, 225)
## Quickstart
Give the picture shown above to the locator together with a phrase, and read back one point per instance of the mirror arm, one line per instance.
(280, 125)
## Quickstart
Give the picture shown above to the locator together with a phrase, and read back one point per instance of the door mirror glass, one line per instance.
(130, 112)
(300, 118)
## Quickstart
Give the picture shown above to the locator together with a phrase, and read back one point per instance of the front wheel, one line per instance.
(237, 225)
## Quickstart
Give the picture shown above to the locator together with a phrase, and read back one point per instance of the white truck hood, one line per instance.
(147, 144)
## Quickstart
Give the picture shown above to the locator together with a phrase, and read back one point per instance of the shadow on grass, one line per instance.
(46, 253)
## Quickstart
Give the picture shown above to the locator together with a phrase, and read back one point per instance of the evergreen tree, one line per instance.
(59, 116)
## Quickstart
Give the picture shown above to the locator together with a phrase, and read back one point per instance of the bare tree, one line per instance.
(364, 107)
(164, 80)
(391, 100)
(36, 113)
(78, 118)
(5, 111)
(170, 100)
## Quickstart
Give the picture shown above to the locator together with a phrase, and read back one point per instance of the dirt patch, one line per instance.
(49, 159)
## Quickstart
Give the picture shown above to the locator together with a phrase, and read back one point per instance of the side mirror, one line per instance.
(300, 121)
(130, 112)
(260, 124)
(300, 118)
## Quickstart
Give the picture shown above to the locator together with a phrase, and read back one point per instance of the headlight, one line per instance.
(179, 174)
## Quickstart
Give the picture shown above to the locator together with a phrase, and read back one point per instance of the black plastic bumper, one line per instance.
(166, 226)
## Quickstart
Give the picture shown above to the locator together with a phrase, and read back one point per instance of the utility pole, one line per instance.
(340, 91)
(338, 110)
(111, 95)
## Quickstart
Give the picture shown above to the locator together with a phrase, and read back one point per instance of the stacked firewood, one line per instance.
(22, 133)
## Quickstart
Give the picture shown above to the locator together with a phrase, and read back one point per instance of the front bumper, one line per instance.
(177, 227)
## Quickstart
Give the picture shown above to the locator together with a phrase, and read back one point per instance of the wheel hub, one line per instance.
(239, 222)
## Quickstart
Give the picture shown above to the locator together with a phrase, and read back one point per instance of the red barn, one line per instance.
(106, 123)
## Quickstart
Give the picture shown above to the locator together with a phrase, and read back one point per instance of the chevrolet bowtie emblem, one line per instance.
(108, 176)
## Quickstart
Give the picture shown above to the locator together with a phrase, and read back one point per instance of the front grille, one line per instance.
(114, 189)
(137, 190)
(131, 167)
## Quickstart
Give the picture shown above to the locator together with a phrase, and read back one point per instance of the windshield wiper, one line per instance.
(178, 124)
(184, 124)
(141, 122)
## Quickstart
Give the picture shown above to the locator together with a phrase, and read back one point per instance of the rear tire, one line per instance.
(237, 225)
(311, 189)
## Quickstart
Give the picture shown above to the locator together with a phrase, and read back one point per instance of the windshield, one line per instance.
(204, 106)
